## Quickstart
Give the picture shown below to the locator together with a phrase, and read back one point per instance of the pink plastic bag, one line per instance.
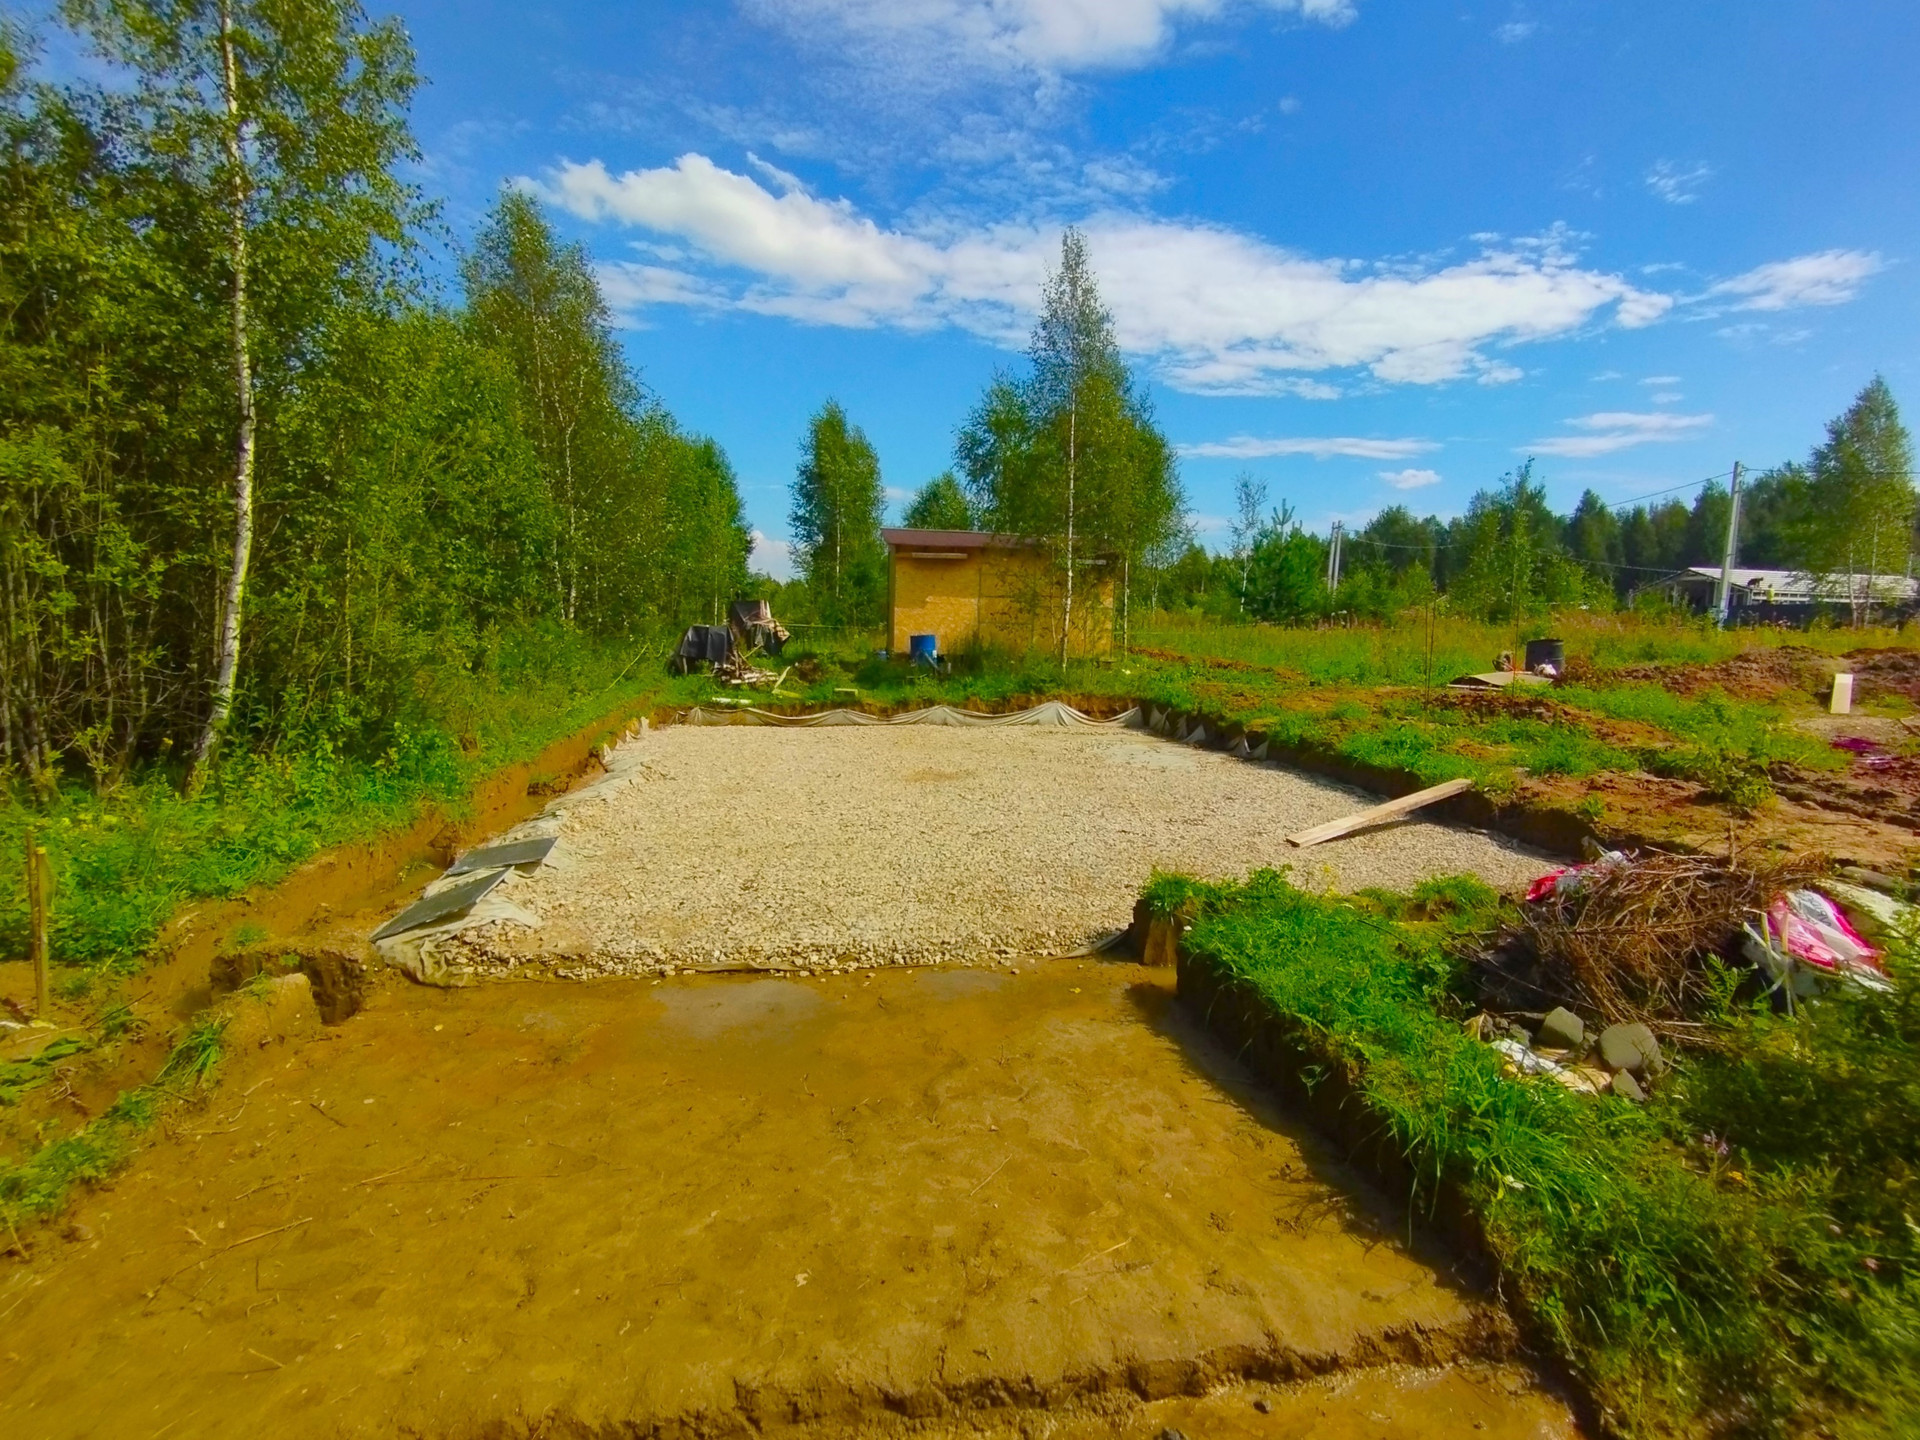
(1569, 878)
(1809, 927)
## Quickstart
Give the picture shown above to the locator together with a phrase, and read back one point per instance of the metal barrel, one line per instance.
(1547, 652)
(923, 649)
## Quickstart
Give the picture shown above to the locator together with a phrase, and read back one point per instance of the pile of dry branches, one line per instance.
(1633, 937)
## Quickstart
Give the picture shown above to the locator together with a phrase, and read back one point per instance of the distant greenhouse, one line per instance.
(1787, 597)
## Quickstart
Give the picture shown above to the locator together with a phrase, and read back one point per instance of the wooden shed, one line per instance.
(972, 589)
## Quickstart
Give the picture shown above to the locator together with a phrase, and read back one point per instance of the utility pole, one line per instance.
(1333, 558)
(1723, 598)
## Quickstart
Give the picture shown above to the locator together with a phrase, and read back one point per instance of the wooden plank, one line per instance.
(40, 919)
(1392, 810)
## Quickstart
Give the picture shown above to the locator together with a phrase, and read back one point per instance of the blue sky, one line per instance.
(1374, 251)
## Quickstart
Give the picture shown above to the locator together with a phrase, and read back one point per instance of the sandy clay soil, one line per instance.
(936, 1201)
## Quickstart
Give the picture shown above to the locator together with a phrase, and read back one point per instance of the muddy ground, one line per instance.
(933, 1201)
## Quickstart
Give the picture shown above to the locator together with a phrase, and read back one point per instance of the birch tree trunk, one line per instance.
(227, 645)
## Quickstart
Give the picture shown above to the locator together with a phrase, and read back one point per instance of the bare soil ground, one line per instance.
(936, 1201)
(741, 846)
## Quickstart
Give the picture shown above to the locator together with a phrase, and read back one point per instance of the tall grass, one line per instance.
(125, 859)
(1397, 654)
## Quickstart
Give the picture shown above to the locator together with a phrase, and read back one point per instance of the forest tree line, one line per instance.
(1068, 454)
(259, 476)
(1848, 508)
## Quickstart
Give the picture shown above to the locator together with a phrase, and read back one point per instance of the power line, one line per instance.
(1656, 494)
(1455, 545)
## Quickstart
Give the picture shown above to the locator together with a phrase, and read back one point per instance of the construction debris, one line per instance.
(441, 904)
(501, 857)
(1380, 814)
(1497, 680)
(1645, 941)
(754, 628)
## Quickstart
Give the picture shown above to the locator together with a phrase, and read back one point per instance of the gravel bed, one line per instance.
(738, 847)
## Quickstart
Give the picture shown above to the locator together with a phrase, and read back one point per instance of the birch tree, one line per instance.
(283, 122)
(1070, 456)
(1249, 507)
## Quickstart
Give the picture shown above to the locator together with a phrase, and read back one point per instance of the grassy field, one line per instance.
(1397, 654)
(1740, 1256)
(1362, 695)
(127, 859)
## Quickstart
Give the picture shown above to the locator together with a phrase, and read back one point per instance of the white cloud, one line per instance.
(1830, 277)
(1613, 430)
(1514, 31)
(1668, 380)
(1678, 184)
(1666, 397)
(770, 556)
(786, 180)
(1252, 447)
(1045, 35)
(1410, 479)
(1217, 311)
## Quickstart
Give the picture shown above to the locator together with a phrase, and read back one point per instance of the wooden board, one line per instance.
(1392, 810)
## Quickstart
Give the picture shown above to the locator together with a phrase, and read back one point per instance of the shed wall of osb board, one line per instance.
(1004, 598)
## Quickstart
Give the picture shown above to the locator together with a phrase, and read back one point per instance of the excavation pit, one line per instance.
(923, 1202)
(976, 1190)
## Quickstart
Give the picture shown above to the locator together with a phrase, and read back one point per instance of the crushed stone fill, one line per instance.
(741, 846)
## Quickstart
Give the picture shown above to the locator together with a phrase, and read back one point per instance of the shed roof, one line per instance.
(950, 540)
(1798, 587)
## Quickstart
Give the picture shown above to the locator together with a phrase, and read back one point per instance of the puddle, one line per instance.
(722, 1005)
(950, 984)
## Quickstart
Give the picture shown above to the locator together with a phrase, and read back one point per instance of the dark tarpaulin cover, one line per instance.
(712, 643)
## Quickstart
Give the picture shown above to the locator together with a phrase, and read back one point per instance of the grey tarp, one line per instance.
(1053, 714)
(441, 904)
(712, 644)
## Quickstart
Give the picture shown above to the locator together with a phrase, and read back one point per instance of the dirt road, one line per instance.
(929, 1201)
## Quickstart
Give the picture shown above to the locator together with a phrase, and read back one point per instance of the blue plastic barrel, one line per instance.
(923, 649)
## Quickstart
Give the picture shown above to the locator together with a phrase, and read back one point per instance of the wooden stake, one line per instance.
(39, 907)
(1392, 810)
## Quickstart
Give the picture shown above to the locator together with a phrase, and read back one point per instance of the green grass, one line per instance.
(126, 861)
(19, 1076)
(1691, 1287)
(39, 1186)
(1396, 654)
